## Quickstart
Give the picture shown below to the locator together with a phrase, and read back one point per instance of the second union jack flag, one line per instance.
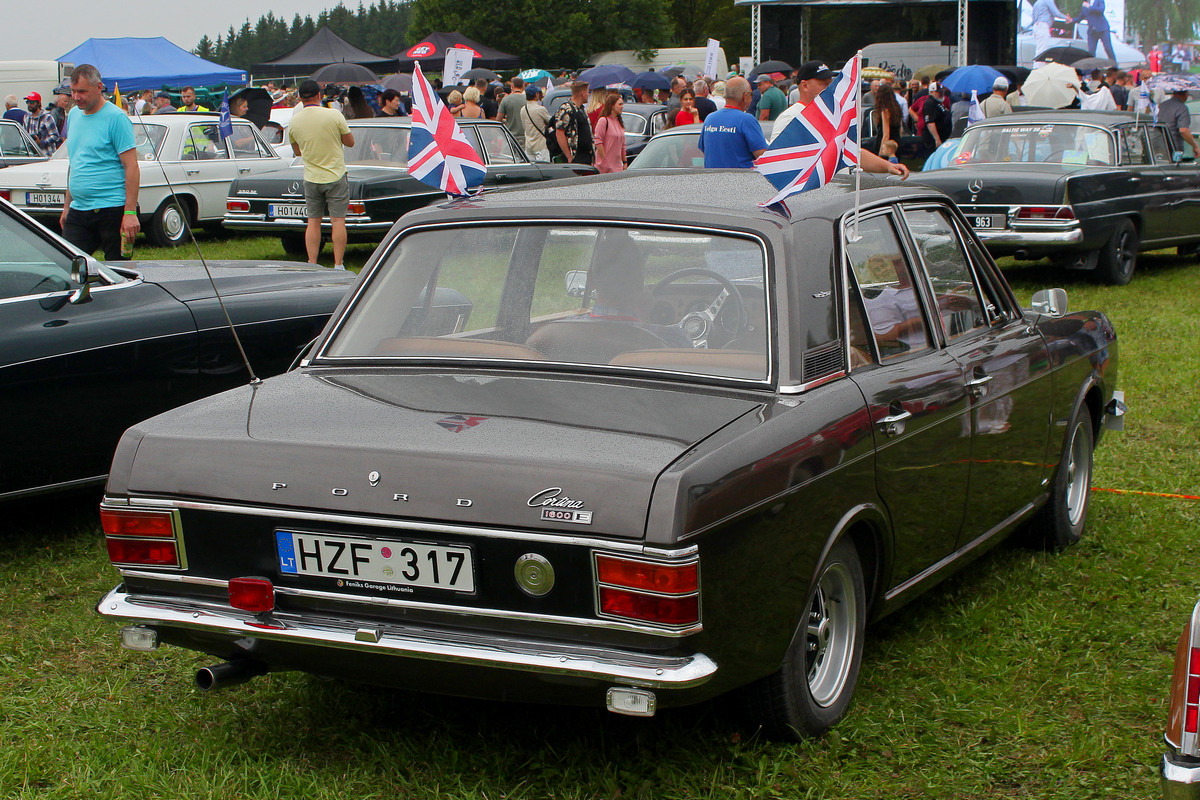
(438, 151)
(819, 142)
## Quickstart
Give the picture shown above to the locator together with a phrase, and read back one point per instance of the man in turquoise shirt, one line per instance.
(771, 101)
(103, 179)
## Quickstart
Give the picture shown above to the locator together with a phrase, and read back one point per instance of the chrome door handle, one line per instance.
(193, 172)
(243, 170)
(893, 425)
(977, 387)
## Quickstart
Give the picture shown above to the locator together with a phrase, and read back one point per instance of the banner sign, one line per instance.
(458, 61)
(710, 59)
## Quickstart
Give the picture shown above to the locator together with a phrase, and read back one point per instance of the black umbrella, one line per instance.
(650, 80)
(1089, 64)
(1015, 75)
(401, 82)
(344, 72)
(1063, 54)
(472, 75)
(258, 104)
(770, 66)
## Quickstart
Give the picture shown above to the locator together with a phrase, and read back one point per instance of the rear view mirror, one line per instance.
(79, 274)
(576, 283)
(1051, 302)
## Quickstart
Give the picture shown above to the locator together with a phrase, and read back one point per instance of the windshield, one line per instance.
(1036, 143)
(647, 298)
(378, 146)
(671, 151)
(147, 139)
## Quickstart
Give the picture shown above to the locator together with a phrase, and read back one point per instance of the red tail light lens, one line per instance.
(648, 607)
(137, 523)
(6, 194)
(357, 207)
(1192, 697)
(1045, 212)
(142, 552)
(255, 595)
(648, 576)
(237, 205)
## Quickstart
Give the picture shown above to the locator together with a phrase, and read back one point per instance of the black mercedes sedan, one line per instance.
(87, 349)
(381, 190)
(1088, 189)
(669, 444)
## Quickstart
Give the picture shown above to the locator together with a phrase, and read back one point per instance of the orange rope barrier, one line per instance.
(1148, 494)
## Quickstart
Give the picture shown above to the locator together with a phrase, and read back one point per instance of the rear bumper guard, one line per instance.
(483, 650)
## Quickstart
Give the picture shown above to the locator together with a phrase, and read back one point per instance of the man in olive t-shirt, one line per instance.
(317, 135)
(771, 101)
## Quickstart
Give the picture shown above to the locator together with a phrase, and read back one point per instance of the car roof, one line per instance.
(1074, 115)
(407, 121)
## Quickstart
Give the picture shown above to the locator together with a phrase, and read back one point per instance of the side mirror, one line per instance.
(79, 274)
(1051, 302)
(576, 283)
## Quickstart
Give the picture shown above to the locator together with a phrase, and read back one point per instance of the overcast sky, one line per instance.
(38, 30)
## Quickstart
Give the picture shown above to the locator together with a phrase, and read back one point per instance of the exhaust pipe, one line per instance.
(231, 673)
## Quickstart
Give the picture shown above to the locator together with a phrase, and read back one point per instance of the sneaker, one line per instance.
(339, 266)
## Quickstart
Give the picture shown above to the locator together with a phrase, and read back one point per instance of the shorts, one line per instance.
(327, 199)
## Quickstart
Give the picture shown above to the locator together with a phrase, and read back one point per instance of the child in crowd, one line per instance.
(887, 149)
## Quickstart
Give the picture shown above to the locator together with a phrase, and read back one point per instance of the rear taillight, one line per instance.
(255, 595)
(237, 205)
(1045, 212)
(1183, 721)
(1192, 703)
(137, 537)
(356, 207)
(6, 194)
(662, 592)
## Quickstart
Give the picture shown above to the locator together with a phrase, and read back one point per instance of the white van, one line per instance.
(22, 77)
(663, 57)
(905, 58)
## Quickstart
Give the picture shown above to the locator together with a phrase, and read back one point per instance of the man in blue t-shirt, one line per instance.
(103, 178)
(731, 137)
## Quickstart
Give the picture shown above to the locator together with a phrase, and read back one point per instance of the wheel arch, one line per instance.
(867, 527)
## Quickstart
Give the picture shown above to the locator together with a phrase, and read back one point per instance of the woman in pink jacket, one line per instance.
(610, 135)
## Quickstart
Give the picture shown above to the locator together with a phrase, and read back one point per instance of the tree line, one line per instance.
(561, 34)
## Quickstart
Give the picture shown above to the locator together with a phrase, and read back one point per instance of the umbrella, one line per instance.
(1175, 82)
(401, 82)
(472, 75)
(687, 72)
(1063, 54)
(534, 75)
(606, 74)
(1051, 86)
(975, 78)
(344, 72)
(1015, 75)
(650, 80)
(258, 104)
(770, 66)
(1089, 64)
(930, 71)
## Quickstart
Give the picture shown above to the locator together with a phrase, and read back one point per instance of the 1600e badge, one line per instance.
(557, 507)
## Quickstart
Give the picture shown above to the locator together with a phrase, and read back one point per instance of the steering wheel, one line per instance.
(698, 324)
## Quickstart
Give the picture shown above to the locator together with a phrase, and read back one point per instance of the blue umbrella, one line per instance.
(650, 80)
(534, 75)
(606, 75)
(976, 77)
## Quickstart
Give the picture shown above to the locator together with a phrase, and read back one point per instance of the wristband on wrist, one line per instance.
(134, 213)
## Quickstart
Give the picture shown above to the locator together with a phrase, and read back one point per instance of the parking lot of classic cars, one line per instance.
(618, 397)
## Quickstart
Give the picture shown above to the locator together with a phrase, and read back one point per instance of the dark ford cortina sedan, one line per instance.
(107, 345)
(653, 444)
(1089, 189)
(381, 190)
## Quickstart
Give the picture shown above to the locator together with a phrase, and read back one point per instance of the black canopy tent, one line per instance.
(431, 50)
(325, 47)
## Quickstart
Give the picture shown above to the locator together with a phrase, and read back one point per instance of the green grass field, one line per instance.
(1029, 676)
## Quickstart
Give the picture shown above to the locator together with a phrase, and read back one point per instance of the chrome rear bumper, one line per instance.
(259, 222)
(1061, 238)
(408, 641)
(1179, 777)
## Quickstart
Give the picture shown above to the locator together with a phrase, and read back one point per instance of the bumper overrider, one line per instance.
(1180, 776)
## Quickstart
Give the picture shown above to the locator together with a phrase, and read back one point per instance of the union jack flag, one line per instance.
(819, 142)
(438, 151)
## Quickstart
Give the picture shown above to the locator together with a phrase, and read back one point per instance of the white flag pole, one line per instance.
(854, 237)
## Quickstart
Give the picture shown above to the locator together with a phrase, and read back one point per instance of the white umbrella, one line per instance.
(1051, 86)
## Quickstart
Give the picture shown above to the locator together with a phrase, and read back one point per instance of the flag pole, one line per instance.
(854, 237)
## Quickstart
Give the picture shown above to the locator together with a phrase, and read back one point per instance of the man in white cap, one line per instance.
(995, 104)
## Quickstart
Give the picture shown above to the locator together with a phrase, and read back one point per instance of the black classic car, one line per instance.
(1180, 767)
(108, 345)
(381, 190)
(1087, 188)
(677, 445)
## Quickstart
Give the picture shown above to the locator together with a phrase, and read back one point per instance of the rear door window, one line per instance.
(885, 283)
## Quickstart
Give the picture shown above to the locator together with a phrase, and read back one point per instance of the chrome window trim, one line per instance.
(62, 292)
(334, 518)
(320, 359)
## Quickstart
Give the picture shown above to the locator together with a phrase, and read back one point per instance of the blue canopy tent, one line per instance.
(150, 63)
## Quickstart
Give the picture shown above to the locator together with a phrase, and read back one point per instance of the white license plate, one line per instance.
(375, 563)
(44, 198)
(988, 221)
(287, 210)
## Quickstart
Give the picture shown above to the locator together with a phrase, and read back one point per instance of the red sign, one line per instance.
(420, 50)
(472, 49)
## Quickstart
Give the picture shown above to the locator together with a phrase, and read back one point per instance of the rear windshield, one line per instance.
(378, 145)
(675, 301)
(1032, 144)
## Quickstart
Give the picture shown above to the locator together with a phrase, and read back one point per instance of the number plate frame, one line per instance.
(287, 211)
(387, 565)
(45, 198)
(987, 222)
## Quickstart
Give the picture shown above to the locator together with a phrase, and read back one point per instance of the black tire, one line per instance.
(169, 225)
(1118, 257)
(293, 245)
(812, 689)
(1060, 523)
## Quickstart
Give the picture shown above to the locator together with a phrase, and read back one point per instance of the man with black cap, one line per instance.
(162, 104)
(317, 134)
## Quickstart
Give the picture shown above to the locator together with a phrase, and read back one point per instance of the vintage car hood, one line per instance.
(49, 174)
(455, 447)
(1001, 184)
(187, 281)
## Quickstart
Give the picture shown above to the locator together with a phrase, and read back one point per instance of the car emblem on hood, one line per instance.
(976, 186)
